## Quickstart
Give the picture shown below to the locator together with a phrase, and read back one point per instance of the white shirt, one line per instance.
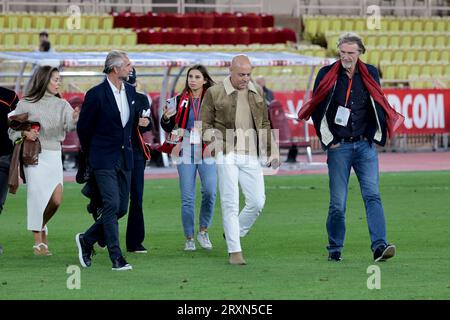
(121, 101)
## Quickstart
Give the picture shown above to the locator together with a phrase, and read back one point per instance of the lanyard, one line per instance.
(348, 92)
(196, 108)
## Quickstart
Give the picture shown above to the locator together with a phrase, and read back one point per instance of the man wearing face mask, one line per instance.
(141, 153)
(350, 114)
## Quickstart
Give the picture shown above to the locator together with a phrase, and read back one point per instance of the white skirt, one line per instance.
(42, 179)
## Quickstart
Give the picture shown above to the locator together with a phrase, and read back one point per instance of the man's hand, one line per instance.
(273, 162)
(143, 122)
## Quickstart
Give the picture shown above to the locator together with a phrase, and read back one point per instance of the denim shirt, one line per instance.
(191, 118)
(358, 102)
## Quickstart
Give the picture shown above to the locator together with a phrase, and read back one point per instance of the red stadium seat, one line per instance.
(226, 20)
(267, 21)
(250, 20)
(154, 20)
(71, 143)
(207, 36)
(279, 121)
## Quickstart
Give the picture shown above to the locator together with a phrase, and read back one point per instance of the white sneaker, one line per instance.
(189, 245)
(203, 239)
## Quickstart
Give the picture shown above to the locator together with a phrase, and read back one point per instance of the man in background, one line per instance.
(8, 102)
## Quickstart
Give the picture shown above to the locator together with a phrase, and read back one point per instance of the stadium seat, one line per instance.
(440, 41)
(428, 26)
(360, 25)
(410, 56)
(107, 22)
(386, 55)
(445, 55)
(23, 39)
(402, 72)
(389, 72)
(311, 27)
(394, 25)
(422, 55)
(433, 55)
(26, 22)
(279, 121)
(418, 41)
(55, 23)
(429, 41)
(417, 25)
(104, 39)
(394, 41)
(91, 39)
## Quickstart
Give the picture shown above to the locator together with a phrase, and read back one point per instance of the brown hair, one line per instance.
(204, 72)
(39, 83)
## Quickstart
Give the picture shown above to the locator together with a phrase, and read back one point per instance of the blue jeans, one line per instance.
(208, 178)
(363, 157)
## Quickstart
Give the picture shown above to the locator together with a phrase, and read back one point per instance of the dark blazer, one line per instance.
(373, 118)
(142, 104)
(8, 102)
(100, 129)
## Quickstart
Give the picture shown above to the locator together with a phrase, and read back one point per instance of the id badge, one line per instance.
(195, 136)
(342, 116)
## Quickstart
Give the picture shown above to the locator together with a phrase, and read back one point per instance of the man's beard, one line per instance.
(124, 78)
(347, 65)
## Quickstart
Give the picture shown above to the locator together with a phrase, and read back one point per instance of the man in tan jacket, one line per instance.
(235, 121)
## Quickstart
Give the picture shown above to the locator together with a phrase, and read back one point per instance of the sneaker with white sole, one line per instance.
(203, 239)
(189, 245)
(384, 252)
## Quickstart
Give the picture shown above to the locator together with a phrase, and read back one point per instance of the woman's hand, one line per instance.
(168, 112)
(76, 114)
(31, 135)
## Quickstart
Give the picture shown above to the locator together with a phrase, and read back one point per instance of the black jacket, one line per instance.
(376, 130)
(100, 130)
(8, 102)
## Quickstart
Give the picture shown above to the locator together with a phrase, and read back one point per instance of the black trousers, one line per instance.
(114, 187)
(135, 227)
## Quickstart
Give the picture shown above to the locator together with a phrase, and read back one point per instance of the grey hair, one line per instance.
(114, 59)
(351, 37)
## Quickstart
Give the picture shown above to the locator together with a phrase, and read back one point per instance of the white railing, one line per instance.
(102, 6)
(426, 8)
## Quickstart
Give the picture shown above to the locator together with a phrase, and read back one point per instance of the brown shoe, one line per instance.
(237, 258)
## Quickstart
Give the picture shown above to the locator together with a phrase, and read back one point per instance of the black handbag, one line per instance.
(84, 171)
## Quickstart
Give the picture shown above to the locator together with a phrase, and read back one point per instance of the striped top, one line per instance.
(54, 115)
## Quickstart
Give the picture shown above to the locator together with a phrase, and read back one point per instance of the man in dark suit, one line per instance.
(104, 128)
(141, 153)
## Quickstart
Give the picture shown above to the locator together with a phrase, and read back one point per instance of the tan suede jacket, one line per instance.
(219, 114)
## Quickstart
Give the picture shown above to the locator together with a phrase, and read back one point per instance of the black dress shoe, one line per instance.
(120, 264)
(334, 256)
(84, 251)
(384, 252)
(138, 249)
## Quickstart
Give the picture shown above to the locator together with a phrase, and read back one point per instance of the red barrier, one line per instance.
(426, 111)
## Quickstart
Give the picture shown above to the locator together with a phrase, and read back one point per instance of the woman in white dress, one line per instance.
(45, 180)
